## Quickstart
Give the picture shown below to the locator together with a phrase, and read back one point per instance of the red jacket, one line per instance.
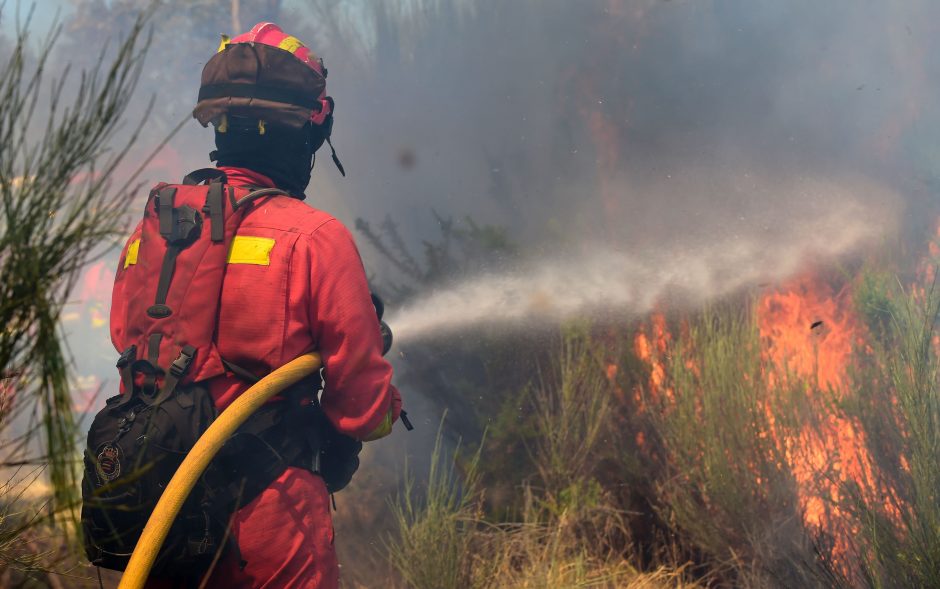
(294, 283)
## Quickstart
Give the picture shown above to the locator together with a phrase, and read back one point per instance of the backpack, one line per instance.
(137, 442)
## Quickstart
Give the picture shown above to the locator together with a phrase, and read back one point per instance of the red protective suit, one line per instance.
(294, 284)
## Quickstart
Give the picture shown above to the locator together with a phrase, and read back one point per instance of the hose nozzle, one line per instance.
(384, 329)
(386, 332)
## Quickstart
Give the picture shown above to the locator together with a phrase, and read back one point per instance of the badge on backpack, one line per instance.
(109, 463)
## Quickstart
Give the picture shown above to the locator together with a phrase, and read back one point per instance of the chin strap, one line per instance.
(339, 164)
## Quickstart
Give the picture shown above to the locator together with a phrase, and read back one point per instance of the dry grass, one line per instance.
(568, 534)
(444, 542)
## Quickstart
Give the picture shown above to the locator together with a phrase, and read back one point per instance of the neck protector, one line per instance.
(283, 154)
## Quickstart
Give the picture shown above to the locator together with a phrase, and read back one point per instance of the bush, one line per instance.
(58, 210)
(898, 404)
(567, 532)
(720, 416)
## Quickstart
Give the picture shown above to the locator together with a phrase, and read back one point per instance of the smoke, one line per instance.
(614, 124)
(633, 131)
(633, 151)
(604, 283)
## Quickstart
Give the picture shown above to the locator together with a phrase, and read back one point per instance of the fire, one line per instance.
(650, 351)
(810, 332)
(94, 296)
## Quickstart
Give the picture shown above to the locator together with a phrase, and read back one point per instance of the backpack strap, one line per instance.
(150, 366)
(178, 370)
(199, 176)
(125, 370)
(128, 357)
(215, 208)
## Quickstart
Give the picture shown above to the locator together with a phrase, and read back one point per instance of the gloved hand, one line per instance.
(339, 459)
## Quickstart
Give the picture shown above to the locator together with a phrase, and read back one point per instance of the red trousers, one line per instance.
(285, 537)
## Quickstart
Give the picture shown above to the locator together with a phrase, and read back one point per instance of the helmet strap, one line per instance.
(339, 164)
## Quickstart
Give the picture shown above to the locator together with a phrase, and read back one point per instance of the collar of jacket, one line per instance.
(246, 177)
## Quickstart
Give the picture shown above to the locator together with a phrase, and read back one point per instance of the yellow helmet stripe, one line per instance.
(291, 44)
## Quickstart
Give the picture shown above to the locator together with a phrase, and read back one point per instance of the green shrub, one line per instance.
(724, 486)
(898, 405)
(435, 544)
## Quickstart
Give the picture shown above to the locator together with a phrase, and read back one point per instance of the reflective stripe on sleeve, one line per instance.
(383, 430)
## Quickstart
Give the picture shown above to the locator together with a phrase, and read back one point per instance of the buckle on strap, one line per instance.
(127, 357)
(180, 366)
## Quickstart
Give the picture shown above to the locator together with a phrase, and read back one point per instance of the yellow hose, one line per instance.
(170, 503)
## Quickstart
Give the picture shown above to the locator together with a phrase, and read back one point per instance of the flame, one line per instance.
(94, 296)
(809, 336)
(96, 283)
(651, 352)
(811, 332)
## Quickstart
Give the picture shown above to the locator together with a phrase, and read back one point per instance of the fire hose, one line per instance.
(211, 441)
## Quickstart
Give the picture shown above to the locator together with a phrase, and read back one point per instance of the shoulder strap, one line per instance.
(203, 175)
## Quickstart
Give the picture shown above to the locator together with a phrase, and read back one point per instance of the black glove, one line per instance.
(339, 459)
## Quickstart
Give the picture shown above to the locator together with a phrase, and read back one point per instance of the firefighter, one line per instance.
(293, 283)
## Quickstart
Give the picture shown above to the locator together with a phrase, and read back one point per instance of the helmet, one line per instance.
(266, 75)
(268, 33)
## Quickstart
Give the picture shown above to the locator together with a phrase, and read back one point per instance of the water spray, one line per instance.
(603, 283)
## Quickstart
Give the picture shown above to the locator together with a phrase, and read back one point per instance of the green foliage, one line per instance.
(898, 405)
(58, 211)
(571, 408)
(873, 301)
(724, 485)
(566, 534)
(435, 549)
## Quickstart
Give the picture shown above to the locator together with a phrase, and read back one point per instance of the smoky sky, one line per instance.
(631, 126)
(631, 122)
(535, 115)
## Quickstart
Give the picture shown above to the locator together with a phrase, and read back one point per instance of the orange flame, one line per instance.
(650, 351)
(810, 332)
(809, 335)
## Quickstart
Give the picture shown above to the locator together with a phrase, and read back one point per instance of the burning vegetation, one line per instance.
(785, 440)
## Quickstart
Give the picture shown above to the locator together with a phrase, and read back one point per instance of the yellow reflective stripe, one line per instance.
(132, 250)
(251, 250)
(383, 430)
(223, 43)
(291, 44)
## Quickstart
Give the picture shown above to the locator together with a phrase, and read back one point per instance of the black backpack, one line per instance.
(135, 447)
